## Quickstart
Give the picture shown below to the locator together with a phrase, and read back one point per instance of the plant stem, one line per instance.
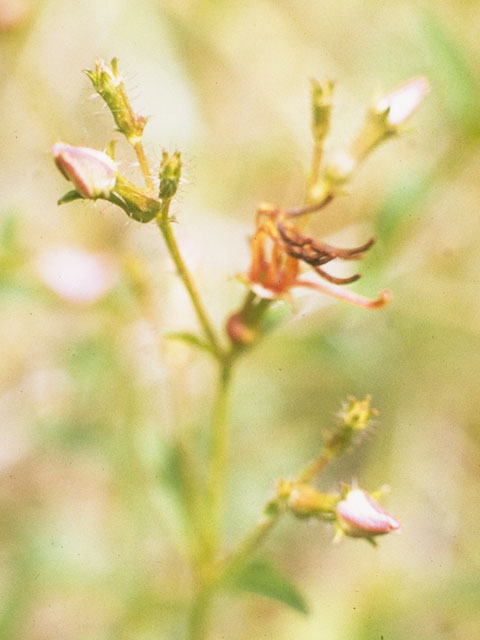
(212, 520)
(314, 468)
(198, 618)
(144, 166)
(250, 543)
(218, 461)
(165, 227)
(269, 520)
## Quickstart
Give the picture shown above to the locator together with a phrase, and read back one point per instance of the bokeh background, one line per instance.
(93, 395)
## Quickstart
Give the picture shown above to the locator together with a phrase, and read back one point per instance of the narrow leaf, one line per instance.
(263, 578)
(69, 197)
(190, 339)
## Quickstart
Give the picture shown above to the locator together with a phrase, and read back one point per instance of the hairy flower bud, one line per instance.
(170, 172)
(108, 83)
(359, 516)
(92, 172)
(305, 501)
(321, 97)
(388, 114)
(135, 201)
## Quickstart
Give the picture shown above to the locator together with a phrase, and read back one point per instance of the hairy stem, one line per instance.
(165, 227)
(314, 468)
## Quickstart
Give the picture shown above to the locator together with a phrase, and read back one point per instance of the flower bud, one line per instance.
(359, 516)
(387, 116)
(170, 172)
(321, 98)
(357, 414)
(135, 201)
(109, 85)
(92, 172)
(402, 102)
(305, 501)
(238, 330)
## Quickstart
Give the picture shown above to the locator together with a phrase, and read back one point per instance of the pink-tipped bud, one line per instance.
(92, 172)
(402, 102)
(359, 516)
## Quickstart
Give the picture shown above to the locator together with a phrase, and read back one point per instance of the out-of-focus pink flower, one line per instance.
(359, 516)
(76, 275)
(403, 101)
(92, 172)
(13, 13)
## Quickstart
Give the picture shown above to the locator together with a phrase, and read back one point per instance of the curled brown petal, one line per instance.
(336, 280)
(345, 254)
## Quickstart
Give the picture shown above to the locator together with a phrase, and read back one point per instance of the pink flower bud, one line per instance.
(403, 101)
(92, 172)
(359, 516)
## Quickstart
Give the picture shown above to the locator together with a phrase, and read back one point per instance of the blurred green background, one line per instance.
(92, 394)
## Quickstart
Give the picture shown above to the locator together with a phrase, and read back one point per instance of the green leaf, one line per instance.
(263, 578)
(190, 339)
(70, 197)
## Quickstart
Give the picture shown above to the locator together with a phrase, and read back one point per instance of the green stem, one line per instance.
(144, 166)
(164, 225)
(250, 543)
(198, 618)
(218, 461)
(255, 538)
(314, 468)
(212, 522)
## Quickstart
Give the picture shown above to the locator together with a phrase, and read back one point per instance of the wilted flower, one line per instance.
(92, 172)
(360, 516)
(403, 101)
(77, 276)
(278, 248)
